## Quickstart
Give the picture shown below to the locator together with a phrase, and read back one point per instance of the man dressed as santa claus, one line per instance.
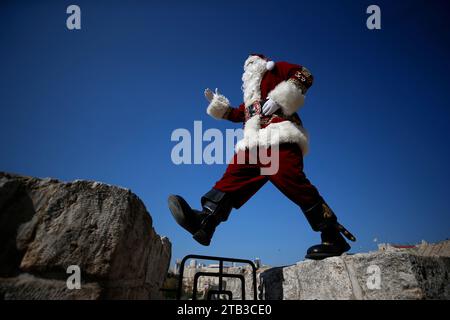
(273, 92)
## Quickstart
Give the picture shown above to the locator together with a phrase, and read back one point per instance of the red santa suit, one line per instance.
(286, 84)
(273, 92)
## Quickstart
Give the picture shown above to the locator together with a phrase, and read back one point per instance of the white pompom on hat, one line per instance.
(269, 65)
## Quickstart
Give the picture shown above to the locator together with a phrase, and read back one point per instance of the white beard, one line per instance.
(254, 69)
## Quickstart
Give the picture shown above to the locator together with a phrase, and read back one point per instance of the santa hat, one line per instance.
(269, 64)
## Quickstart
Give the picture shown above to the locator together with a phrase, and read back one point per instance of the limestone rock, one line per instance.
(47, 225)
(390, 273)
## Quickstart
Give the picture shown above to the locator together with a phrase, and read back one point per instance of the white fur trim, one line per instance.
(218, 106)
(270, 65)
(273, 134)
(288, 96)
(250, 139)
(254, 69)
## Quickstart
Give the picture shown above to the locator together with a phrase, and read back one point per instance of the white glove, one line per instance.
(209, 95)
(270, 107)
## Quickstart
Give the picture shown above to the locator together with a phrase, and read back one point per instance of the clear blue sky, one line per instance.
(101, 104)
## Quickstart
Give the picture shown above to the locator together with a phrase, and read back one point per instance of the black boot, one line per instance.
(323, 219)
(216, 205)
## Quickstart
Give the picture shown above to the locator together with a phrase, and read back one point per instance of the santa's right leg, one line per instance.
(322, 219)
(237, 185)
(216, 207)
(291, 180)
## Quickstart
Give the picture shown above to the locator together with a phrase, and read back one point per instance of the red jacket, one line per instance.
(286, 84)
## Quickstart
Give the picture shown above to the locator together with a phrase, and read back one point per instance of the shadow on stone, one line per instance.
(271, 284)
(16, 208)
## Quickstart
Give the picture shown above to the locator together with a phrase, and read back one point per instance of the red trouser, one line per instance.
(242, 181)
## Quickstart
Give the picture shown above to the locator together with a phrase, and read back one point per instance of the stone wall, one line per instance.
(389, 273)
(47, 225)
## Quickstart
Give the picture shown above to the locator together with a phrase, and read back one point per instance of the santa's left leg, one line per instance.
(292, 182)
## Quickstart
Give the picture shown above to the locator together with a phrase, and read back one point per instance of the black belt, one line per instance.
(254, 109)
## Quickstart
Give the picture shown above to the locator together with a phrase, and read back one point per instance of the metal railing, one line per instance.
(219, 275)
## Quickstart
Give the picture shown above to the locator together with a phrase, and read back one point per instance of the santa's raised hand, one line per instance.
(209, 94)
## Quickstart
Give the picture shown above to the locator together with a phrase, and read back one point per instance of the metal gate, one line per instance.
(221, 275)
